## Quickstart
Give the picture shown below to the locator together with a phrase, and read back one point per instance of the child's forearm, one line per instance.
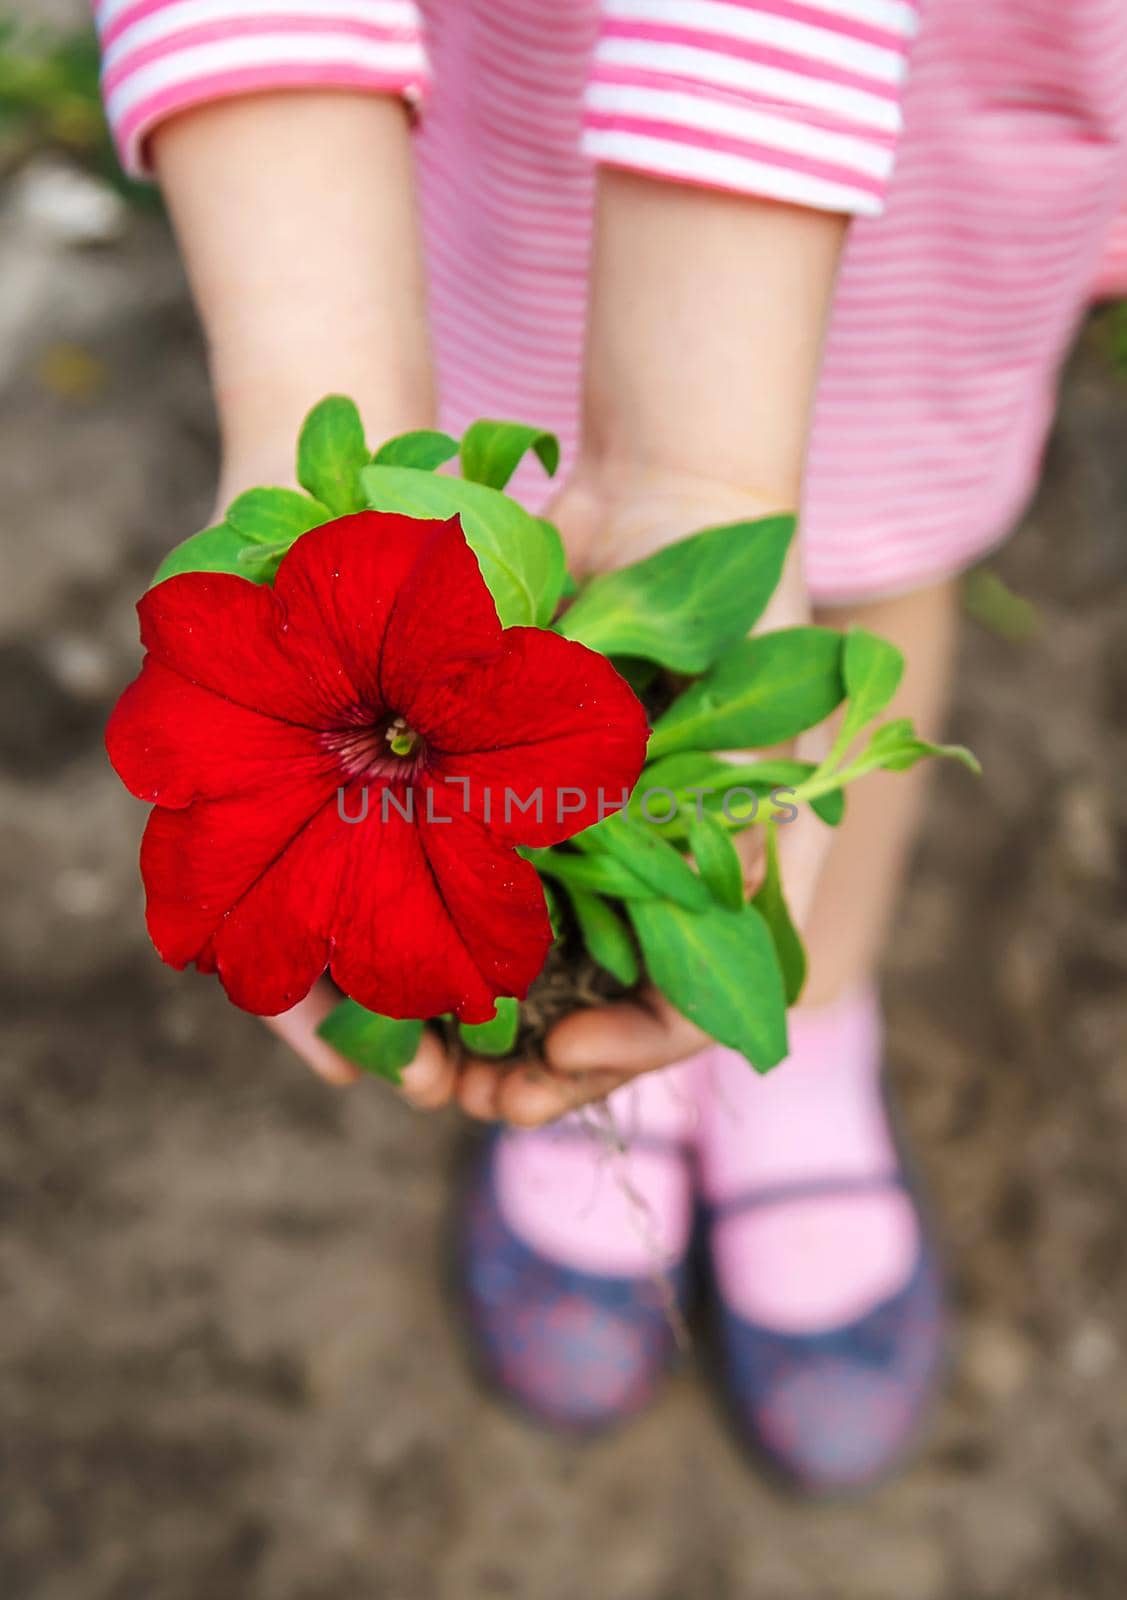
(708, 312)
(297, 222)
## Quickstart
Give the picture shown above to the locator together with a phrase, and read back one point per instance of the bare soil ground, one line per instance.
(226, 1365)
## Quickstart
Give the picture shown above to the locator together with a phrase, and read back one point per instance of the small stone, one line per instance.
(1093, 1351)
(80, 892)
(1086, 833)
(70, 372)
(997, 1360)
(69, 206)
(81, 667)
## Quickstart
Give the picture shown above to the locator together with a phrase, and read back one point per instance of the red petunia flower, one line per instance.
(373, 682)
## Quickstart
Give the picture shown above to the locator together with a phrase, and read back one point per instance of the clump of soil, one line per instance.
(570, 980)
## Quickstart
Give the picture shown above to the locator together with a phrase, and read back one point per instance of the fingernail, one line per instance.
(572, 1059)
(418, 1077)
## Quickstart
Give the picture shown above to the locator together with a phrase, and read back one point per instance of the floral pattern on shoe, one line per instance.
(836, 1410)
(576, 1349)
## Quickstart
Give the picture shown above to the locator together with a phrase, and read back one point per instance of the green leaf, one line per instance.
(492, 451)
(772, 907)
(260, 562)
(330, 453)
(760, 692)
(690, 772)
(643, 851)
(495, 1037)
(424, 448)
(872, 669)
(781, 773)
(275, 516)
(892, 733)
(720, 970)
(555, 912)
(605, 936)
(383, 1045)
(520, 556)
(717, 861)
(639, 674)
(687, 603)
(685, 769)
(989, 600)
(897, 755)
(215, 549)
(599, 874)
(830, 807)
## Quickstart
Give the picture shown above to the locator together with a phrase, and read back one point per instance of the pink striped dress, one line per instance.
(984, 184)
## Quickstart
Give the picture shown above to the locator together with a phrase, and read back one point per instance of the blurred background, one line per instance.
(227, 1368)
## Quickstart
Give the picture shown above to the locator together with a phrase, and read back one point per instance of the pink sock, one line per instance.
(806, 1265)
(571, 1194)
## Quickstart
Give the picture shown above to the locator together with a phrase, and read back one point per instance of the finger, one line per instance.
(427, 1083)
(533, 1095)
(753, 859)
(478, 1085)
(431, 1079)
(626, 1038)
(298, 1027)
(804, 842)
(803, 847)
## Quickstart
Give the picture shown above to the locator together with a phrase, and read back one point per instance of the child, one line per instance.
(677, 178)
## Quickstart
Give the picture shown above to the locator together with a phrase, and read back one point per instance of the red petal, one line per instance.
(400, 945)
(232, 637)
(173, 742)
(402, 600)
(496, 901)
(276, 941)
(198, 862)
(551, 719)
(310, 649)
(443, 627)
(408, 928)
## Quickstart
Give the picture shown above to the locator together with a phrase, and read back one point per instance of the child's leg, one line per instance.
(860, 882)
(820, 1117)
(815, 1241)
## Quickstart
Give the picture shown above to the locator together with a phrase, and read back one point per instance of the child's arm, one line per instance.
(294, 210)
(306, 270)
(308, 282)
(305, 266)
(710, 292)
(296, 216)
(705, 333)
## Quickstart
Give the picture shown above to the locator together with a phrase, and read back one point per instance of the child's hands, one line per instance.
(609, 519)
(704, 335)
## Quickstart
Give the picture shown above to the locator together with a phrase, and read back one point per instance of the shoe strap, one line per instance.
(804, 1189)
(648, 1143)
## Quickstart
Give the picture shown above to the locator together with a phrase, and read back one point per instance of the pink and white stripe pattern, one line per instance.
(792, 99)
(798, 100)
(954, 306)
(163, 56)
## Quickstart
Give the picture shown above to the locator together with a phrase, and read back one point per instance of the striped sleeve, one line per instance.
(795, 100)
(163, 56)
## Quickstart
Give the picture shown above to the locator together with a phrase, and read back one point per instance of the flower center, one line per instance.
(401, 740)
(387, 748)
